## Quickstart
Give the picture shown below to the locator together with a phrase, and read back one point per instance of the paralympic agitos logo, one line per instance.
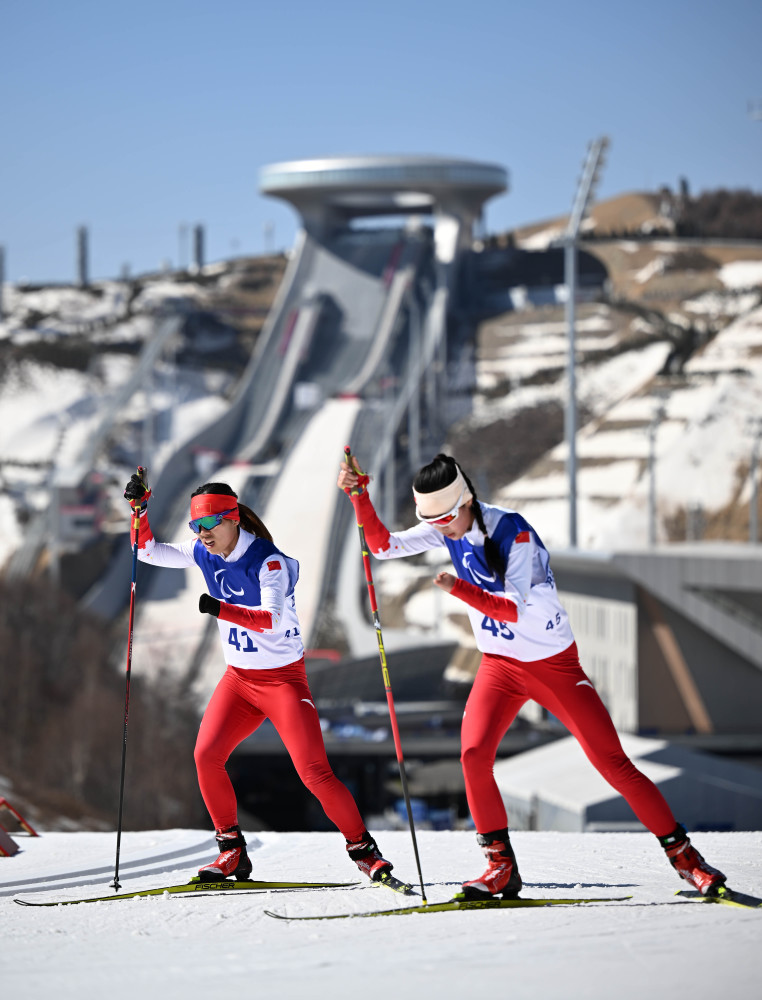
(476, 576)
(222, 584)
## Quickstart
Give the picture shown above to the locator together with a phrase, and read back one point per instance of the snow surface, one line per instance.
(741, 274)
(180, 947)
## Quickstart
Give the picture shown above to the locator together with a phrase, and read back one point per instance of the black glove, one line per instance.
(208, 605)
(136, 491)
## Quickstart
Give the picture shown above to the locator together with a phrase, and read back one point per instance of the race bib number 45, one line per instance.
(498, 629)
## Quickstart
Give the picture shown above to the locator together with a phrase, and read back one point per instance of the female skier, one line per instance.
(251, 594)
(528, 652)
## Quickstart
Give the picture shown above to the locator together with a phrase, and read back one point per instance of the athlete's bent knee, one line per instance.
(316, 774)
(475, 758)
(206, 755)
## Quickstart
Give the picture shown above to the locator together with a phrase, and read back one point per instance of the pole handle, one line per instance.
(349, 459)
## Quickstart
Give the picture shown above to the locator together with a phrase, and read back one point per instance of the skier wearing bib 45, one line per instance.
(503, 575)
(250, 587)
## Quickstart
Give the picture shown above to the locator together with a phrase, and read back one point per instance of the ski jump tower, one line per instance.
(332, 193)
(329, 193)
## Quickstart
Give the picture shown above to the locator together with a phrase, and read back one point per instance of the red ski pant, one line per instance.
(559, 684)
(242, 700)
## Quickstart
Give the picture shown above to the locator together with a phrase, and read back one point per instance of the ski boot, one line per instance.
(233, 861)
(689, 864)
(502, 874)
(366, 855)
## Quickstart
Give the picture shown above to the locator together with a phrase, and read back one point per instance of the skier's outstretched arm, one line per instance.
(383, 543)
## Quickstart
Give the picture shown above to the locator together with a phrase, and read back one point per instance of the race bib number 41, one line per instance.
(242, 641)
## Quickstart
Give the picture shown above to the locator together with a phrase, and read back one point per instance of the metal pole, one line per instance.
(570, 265)
(754, 502)
(82, 256)
(414, 409)
(198, 247)
(55, 532)
(585, 193)
(652, 432)
(652, 483)
(2, 278)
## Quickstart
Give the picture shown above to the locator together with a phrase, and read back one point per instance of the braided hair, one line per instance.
(250, 521)
(442, 471)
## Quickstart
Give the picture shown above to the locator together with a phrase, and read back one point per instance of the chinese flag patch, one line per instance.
(273, 564)
(523, 536)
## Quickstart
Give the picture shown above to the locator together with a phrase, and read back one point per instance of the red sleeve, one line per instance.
(144, 531)
(376, 534)
(257, 621)
(502, 609)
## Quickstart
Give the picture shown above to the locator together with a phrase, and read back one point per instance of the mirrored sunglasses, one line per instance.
(208, 522)
(443, 519)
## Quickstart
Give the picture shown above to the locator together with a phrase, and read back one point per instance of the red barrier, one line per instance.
(5, 804)
(8, 846)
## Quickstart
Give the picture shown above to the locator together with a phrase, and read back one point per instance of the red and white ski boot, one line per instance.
(689, 864)
(366, 855)
(502, 875)
(233, 861)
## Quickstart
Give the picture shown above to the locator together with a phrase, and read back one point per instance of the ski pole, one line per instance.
(135, 524)
(385, 672)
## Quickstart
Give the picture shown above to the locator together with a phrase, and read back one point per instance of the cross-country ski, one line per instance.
(195, 886)
(454, 905)
(728, 897)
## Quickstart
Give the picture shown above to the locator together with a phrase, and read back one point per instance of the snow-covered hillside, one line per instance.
(180, 948)
(705, 424)
(68, 355)
(704, 412)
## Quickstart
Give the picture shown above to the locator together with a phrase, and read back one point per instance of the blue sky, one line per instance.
(138, 118)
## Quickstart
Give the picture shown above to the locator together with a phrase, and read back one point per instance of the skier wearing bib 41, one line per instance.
(251, 594)
(503, 575)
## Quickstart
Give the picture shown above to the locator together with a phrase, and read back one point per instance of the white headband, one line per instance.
(441, 502)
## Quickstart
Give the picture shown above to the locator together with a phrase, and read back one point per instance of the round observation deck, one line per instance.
(343, 187)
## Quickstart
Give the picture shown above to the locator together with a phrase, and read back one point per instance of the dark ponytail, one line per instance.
(250, 521)
(442, 471)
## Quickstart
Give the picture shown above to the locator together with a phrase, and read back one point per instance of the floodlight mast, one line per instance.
(756, 427)
(585, 193)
